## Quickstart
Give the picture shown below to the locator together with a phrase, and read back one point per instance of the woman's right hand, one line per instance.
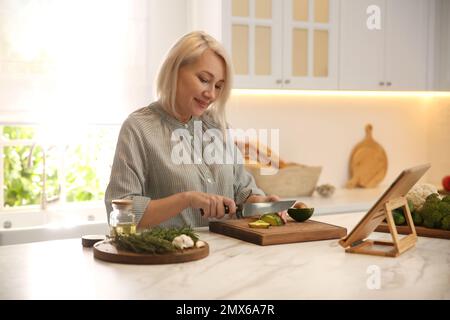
(212, 205)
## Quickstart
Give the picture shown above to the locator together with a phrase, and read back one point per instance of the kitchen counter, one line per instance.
(64, 223)
(343, 200)
(63, 269)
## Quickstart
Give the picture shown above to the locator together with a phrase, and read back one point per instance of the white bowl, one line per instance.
(290, 181)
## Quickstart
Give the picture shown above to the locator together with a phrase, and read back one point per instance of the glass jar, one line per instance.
(122, 219)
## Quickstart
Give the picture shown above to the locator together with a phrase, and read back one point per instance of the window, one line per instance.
(83, 60)
(70, 72)
(37, 174)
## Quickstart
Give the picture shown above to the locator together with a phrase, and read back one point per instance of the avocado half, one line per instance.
(300, 214)
(259, 224)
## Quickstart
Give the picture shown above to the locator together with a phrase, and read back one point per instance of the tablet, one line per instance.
(399, 188)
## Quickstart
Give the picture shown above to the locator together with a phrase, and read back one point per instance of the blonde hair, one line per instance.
(186, 51)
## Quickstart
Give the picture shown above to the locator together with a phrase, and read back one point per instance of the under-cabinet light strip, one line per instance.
(344, 93)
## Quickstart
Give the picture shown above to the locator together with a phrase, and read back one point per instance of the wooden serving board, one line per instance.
(421, 231)
(106, 251)
(368, 163)
(289, 233)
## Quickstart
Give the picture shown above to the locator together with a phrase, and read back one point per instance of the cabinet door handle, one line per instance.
(388, 83)
(287, 81)
(278, 81)
(381, 83)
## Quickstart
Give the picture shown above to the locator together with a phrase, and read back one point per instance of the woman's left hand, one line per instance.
(269, 198)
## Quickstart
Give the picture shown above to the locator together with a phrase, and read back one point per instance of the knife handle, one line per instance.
(227, 210)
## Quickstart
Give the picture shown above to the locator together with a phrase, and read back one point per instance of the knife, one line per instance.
(250, 209)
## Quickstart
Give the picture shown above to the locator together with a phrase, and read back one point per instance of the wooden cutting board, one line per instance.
(291, 232)
(106, 251)
(368, 163)
(421, 231)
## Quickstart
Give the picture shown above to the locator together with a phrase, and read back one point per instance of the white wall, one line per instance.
(322, 130)
(205, 15)
(439, 140)
(171, 19)
(61, 60)
(168, 22)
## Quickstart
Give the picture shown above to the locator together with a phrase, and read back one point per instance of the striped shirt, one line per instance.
(144, 166)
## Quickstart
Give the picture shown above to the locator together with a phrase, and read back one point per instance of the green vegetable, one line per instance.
(142, 243)
(431, 215)
(273, 219)
(433, 197)
(154, 241)
(419, 192)
(434, 211)
(171, 233)
(444, 208)
(417, 218)
(446, 222)
(300, 214)
(399, 218)
(411, 206)
(446, 199)
(259, 224)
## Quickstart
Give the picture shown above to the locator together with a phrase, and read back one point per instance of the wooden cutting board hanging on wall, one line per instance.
(368, 163)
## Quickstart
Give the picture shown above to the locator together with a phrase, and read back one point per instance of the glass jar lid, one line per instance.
(123, 204)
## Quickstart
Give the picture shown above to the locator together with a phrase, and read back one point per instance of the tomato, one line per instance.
(446, 183)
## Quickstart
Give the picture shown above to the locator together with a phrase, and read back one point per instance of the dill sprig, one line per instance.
(155, 241)
(171, 233)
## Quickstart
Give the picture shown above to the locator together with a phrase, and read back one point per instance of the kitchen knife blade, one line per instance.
(250, 209)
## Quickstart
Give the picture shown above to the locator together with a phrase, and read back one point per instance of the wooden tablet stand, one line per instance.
(398, 245)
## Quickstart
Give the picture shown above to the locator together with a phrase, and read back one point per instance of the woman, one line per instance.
(193, 86)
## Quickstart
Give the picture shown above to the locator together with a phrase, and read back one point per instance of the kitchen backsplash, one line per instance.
(322, 130)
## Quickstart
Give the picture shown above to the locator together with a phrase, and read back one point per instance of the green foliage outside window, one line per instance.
(86, 169)
(18, 133)
(81, 179)
(21, 181)
(22, 185)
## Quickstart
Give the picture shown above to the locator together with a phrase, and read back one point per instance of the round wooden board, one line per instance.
(106, 251)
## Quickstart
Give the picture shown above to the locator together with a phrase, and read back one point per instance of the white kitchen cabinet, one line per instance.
(282, 44)
(393, 57)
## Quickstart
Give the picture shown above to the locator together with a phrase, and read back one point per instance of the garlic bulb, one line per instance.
(183, 242)
(200, 244)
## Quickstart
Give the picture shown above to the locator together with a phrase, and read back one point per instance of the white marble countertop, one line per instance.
(63, 269)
